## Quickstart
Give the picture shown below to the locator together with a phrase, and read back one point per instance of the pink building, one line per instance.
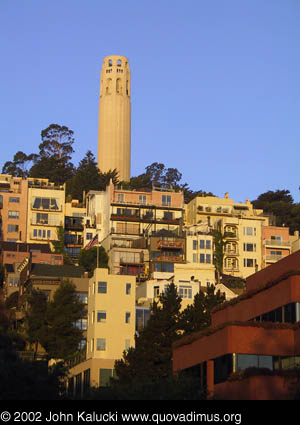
(13, 208)
(276, 244)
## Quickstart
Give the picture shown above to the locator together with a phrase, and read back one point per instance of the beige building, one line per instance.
(111, 328)
(243, 225)
(45, 210)
(13, 208)
(115, 117)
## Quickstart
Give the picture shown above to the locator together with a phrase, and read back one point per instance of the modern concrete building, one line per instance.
(253, 344)
(115, 117)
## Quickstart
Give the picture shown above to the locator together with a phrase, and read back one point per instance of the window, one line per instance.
(45, 204)
(81, 324)
(279, 253)
(202, 258)
(168, 215)
(120, 197)
(195, 258)
(208, 258)
(208, 244)
(83, 297)
(128, 288)
(14, 200)
(104, 377)
(101, 344)
(101, 316)
(166, 200)
(127, 317)
(195, 244)
(89, 236)
(202, 242)
(156, 291)
(276, 238)
(249, 262)
(12, 228)
(249, 231)
(13, 214)
(251, 247)
(142, 199)
(185, 291)
(102, 287)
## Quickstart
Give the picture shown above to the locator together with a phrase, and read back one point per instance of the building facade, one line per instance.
(252, 346)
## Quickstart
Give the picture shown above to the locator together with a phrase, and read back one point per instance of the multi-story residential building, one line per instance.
(253, 342)
(13, 208)
(74, 228)
(111, 328)
(276, 244)
(125, 220)
(45, 211)
(242, 225)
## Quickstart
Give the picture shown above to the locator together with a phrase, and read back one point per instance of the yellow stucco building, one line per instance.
(243, 249)
(111, 328)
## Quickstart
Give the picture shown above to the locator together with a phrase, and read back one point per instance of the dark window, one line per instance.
(290, 313)
(223, 367)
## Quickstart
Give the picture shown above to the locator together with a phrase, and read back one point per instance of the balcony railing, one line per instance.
(229, 251)
(273, 258)
(280, 243)
(170, 244)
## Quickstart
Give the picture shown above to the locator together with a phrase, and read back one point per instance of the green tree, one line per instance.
(59, 245)
(86, 177)
(18, 167)
(26, 380)
(281, 205)
(63, 337)
(219, 242)
(55, 152)
(197, 316)
(88, 259)
(151, 359)
(36, 318)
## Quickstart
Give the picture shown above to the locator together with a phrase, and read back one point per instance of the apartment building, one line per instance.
(242, 225)
(111, 328)
(276, 244)
(252, 346)
(45, 210)
(74, 228)
(13, 208)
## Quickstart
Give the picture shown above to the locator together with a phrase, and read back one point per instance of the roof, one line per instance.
(56, 271)
(25, 247)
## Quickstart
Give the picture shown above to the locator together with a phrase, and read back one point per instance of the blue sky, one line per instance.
(215, 84)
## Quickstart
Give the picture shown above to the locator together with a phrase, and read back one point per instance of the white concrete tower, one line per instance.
(115, 117)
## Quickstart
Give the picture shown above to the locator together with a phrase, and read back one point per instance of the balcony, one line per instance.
(230, 251)
(169, 258)
(273, 258)
(74, 224)
(170, 244)
(72, 242)
(49, 222)
(277, 243)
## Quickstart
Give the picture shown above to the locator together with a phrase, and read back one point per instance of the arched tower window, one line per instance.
(109, 62)
(119, 62)
(119, 86)
(108, 86)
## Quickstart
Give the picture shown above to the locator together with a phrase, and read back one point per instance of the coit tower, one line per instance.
(115, 117)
